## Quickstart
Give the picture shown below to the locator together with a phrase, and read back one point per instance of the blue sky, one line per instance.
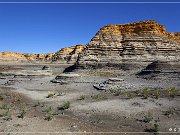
(43, 28)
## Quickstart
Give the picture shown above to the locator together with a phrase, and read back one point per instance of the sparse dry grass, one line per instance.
(5, 106)
(148, 118)
(171, 111)
(154, 128)
(21, 114)
(6, 115)
(156, 93)
(116, 92)
(99, 97)
(64, 106)
(172, 92)
(145, 93)
(48, 117)
(49, 114)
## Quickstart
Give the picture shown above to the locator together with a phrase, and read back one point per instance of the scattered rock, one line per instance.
(46, 68)
(99, 87)
(116, 79)
(137, 104)
(65, 78)
(111, 83)
(59, 81)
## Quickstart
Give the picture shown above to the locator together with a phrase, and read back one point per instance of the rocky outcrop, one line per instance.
(111, 83)
(11, 56)
(68, 55)
(24, 57)
(65, 55)
(161, 70)
(65, 78)
(132, 45)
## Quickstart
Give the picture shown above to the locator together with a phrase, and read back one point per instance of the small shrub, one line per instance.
(145, 93)
(48, 110)
(21, 114)
(148, 118)
(48, 117)
(49, 114)
(99, 97)
(157, 94)
(7, 116)
(64, 106)
(96, 96)
(129, 94)
(4, 107)
(116, 92)
(172, 92)
(155, 128)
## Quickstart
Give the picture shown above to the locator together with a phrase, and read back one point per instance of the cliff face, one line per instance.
(133, 43)
(69, 54)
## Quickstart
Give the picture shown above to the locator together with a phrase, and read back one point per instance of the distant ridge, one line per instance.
(115, 45)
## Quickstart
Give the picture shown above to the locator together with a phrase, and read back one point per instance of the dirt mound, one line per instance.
(160, 70)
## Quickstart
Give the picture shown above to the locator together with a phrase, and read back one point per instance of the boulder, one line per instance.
(45, 67)
(111, 83)
(65, 78)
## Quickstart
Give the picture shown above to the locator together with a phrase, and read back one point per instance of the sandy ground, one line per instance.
(27, 87)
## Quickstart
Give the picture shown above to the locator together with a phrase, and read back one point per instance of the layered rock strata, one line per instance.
(24, 57)
(130, 45)
(69, 54)
(65, 55)
(161, 70)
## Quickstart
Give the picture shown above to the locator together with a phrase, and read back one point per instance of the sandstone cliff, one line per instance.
(69, 54)
(24, 57)
(130, 45)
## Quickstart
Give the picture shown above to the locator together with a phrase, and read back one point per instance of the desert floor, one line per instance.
(31, 104)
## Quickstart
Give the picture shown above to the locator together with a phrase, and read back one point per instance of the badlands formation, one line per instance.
(130, 45)
(126, 80)
(64, 55)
